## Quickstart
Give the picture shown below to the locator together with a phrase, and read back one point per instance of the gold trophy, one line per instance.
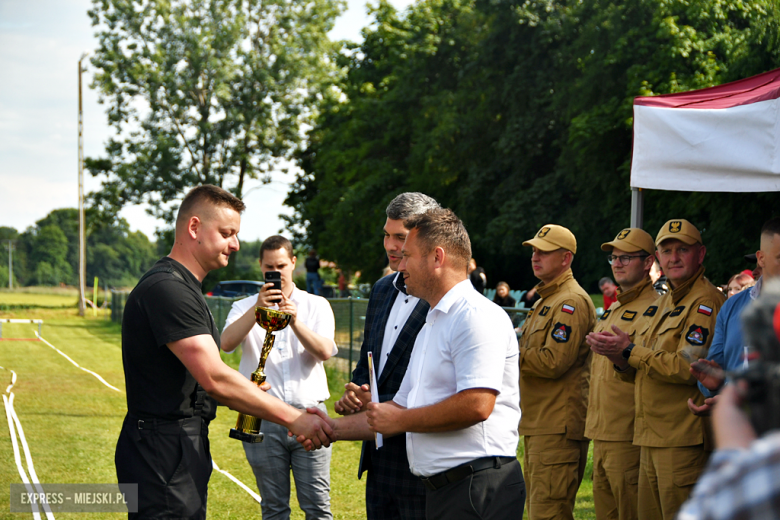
(248, 427)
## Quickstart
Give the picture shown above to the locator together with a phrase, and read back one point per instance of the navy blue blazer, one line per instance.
(388, 466)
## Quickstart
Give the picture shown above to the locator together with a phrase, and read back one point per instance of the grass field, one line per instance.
(71, 420)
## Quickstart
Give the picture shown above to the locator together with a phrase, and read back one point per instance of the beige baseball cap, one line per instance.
(679, 229)
(552, 237)
(631, 240)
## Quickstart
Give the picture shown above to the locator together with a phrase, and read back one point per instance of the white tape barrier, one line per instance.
(77, 365)
(238, 482)
(14, 428)
(228, 475)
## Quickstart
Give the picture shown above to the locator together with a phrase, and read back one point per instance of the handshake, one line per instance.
(362, 419)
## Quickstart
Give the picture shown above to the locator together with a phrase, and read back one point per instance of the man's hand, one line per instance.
(354, 400)
(704, 409)
(709, 374)
(308, 443)
(731, 426)
(610, 345)
(268, 296)
(288, 306)
(385, 418)
(315, 428)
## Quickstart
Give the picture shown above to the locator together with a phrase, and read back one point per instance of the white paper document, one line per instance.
(374, 392)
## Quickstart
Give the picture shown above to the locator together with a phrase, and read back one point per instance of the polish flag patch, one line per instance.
(703, 309)
(568, 308)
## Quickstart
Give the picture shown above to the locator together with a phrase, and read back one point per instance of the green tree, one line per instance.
(50, 253)
(203, 91)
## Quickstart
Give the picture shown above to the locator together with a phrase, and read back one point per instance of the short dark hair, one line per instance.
(605, 281)
(771, 227)
(276, 242)
(441, 227)
(407, 205)
(210, 194)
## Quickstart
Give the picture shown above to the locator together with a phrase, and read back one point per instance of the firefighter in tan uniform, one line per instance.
(610, 420)
(554, 370)
(674, 443)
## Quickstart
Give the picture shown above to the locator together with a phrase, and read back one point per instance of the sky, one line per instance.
(40, 45)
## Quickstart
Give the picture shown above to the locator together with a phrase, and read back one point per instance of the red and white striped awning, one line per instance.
(724, 138)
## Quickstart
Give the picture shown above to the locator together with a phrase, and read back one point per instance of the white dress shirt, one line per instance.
(295, 375)
(467, 342)
(399, 314)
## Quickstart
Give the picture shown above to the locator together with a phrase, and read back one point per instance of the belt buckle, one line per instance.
(140, 424)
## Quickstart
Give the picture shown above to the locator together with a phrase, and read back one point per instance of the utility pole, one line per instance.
(10, 246)
(82, 238)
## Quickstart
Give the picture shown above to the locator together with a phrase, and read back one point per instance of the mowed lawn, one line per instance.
(71, 420)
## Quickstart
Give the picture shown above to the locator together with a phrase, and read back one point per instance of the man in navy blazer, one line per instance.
(393, 320)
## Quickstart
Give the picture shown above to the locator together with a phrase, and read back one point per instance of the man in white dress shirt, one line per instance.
(297, 377)
(459, 400)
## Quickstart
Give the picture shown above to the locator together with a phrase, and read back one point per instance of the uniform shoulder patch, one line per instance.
(568, 308)
(703, 309)
(628, 315)
(697, 335)
(651, 311)
(677, 311)
(604, 316)
(544, 311)
(561, 332)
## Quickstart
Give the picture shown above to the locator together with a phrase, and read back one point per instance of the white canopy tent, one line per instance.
(724, 138)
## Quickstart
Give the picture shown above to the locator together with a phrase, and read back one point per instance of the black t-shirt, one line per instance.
(312, 264)
(163, 308)
(507, 301)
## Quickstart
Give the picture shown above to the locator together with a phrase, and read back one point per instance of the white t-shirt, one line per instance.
(296, 376)
(399, 314)
(467, 342)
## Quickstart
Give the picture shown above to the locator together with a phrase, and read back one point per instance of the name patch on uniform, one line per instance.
(707, 311)
(651, 311)
(628, 315)
(677, 311)
(697, 335)
(604, 316)
(544, 311)
(561, 332)
(568, 308)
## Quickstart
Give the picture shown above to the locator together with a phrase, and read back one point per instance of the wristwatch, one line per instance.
(627, 351)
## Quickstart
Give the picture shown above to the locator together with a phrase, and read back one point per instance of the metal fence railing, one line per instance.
(350, 315)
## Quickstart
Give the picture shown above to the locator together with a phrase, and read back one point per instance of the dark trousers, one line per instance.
(384, 504)
(490, 494)
(170, 462)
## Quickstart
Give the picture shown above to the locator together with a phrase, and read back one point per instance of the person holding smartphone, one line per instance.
(296, 374)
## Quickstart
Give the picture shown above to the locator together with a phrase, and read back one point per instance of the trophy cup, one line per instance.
(248, 427)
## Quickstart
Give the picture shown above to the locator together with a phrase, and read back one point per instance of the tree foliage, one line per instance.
(203, 91)
(519, 113)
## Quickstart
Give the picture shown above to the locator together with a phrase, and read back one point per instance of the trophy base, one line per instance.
(246, 437)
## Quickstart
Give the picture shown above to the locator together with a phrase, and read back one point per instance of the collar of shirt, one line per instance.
(678, 293)
(756, 289)
(633, 294)
(546, 290)
(449, 299)
(399, 283)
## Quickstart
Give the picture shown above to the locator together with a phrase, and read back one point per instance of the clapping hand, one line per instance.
(354, 400)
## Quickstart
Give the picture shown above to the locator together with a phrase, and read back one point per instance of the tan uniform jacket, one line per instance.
(554, 360)
(611, 402)
(680, 333)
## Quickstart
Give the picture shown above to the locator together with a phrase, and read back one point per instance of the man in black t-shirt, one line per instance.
(170, 354)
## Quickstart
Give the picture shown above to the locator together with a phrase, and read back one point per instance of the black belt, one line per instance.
(464, 470)
(191, 425)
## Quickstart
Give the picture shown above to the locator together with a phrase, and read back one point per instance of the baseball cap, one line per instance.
(552, 237)
(679, 229)
(631, 240)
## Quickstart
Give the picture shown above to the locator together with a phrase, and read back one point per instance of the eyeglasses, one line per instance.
(624, 259)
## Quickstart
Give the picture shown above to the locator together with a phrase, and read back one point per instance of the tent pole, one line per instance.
(637, 207)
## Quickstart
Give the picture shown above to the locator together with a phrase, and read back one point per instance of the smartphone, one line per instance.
(274, 277)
